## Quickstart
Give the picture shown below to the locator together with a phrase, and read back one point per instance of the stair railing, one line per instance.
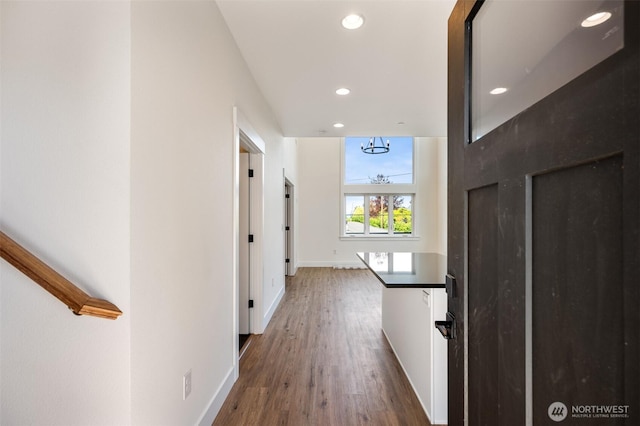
(64, 290)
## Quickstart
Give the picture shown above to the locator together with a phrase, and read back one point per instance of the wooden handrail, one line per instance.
(64, 290)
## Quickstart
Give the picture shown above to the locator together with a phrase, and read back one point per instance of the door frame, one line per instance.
(245, 135)
(244, 255)
(289, 236)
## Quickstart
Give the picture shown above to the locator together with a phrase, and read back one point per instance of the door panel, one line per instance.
(544, 242)
(483, 304)
(578, 312)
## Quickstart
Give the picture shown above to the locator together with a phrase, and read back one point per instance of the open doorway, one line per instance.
(244, 255)
(248, 213)
(289, 229)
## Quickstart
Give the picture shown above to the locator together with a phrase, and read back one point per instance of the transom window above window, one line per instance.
(394, 166)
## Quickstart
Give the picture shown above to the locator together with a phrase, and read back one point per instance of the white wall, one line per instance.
(117, 135)
(441, 162)
(274, 271)
(187, 75)
(319, 204)
(291, 159)
(65, 196)
(116, 169)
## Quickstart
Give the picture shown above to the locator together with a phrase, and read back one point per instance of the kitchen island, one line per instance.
(413, 297)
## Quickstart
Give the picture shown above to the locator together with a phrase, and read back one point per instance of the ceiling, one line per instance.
(395, 64)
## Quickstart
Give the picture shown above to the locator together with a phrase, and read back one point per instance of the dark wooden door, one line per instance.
(543, 239)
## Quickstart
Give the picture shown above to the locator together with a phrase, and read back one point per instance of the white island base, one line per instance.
(408, 316)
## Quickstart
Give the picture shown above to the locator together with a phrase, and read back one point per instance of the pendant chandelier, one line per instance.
(375, 147)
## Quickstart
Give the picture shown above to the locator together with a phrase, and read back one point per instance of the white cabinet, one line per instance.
(408, 316)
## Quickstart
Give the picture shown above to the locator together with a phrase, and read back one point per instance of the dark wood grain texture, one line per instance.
(323, 360)
(484, 359)
(579, 150)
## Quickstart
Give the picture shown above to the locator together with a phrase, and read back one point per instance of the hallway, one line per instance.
(323, 360)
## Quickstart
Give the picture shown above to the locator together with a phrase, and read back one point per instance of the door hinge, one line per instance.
(286, 195)
(250, 238)
(250, 172)
(251, 303)
(286, 261)
(286, 228)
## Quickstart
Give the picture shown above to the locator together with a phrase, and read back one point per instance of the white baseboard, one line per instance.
(272, 308)
(293, 270)
(221, 394)
(218, 399)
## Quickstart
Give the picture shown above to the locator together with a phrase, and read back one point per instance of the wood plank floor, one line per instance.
(323, 360)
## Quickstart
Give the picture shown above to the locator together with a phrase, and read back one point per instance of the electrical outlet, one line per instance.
(186, 385)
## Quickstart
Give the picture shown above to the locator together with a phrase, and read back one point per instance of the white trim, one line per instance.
(220, 395)
(289, 214)
(254, 139)
(257, 248)
(269, 314)
(235, 245)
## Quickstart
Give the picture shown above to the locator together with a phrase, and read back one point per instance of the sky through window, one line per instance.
(396, 165)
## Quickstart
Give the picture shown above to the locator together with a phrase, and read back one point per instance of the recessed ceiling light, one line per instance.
(343, 91)
(338, 125)
(352, 22)
(498, 91)
(596, 19)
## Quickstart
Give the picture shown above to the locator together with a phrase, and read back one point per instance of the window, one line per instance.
(378, 191)
(378, 218)
(507, 79)
(395, 166)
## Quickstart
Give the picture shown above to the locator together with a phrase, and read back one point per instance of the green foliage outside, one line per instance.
(401, 219)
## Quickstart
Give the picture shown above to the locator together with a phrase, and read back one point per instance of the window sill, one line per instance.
(357, 237)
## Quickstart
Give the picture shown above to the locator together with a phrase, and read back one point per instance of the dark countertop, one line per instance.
(407, 270)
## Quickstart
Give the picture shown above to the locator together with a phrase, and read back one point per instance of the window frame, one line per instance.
(367, 190)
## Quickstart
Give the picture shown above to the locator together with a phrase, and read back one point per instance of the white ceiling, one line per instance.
(395, 65)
